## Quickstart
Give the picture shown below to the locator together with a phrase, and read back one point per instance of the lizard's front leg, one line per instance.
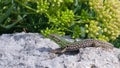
(58, 51)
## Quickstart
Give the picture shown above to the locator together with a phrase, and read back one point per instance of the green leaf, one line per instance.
(6, 15)
(13, 24)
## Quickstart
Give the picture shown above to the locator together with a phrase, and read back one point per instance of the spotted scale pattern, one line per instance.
(84, 43)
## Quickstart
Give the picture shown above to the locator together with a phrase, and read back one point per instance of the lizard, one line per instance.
(69, 46)
(59, 40)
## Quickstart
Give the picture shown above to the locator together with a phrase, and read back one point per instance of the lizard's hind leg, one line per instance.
(62, 51)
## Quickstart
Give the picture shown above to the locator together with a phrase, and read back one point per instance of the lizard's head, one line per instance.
(59, 40)
(55, 37)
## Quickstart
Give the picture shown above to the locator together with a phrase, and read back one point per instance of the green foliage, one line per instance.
(107, 14)
(60, 17)
(116, 42)
(17, 16)
(6, 9)
(98, 19)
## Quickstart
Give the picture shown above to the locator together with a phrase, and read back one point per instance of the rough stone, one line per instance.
(31, 50)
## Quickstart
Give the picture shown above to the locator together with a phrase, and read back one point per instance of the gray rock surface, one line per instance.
(31, 50)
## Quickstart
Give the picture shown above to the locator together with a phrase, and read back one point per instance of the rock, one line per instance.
(31, 50)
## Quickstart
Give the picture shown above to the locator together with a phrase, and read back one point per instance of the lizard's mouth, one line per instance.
(55, 37)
